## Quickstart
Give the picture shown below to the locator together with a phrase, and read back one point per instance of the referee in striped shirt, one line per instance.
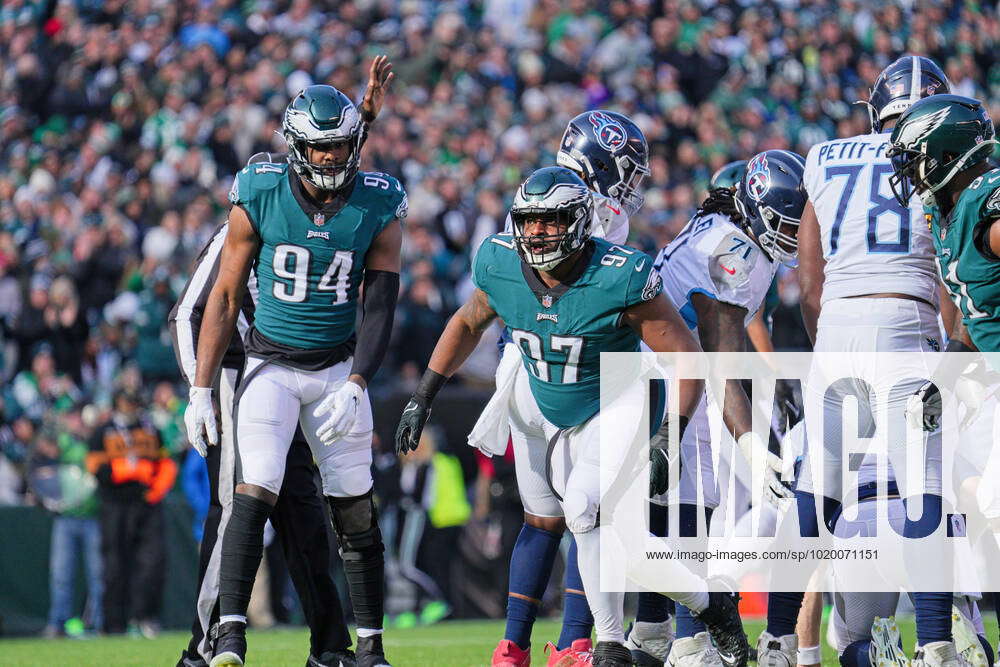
(300, 517)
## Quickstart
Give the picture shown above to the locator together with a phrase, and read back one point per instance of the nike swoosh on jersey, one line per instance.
(616, 211)
(642, 263)
(725, 268)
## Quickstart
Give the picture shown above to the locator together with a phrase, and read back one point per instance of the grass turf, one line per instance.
(448, 644)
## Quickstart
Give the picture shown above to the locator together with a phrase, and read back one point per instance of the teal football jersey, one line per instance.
(562, 331)
(311, 260)
(969, 269)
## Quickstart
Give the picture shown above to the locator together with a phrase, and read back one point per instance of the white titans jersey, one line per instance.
(610, 220)
(713, 256)
(871, 244)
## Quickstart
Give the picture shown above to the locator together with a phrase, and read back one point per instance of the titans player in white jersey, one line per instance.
(609, 152)
(717, 272)
(869, 284)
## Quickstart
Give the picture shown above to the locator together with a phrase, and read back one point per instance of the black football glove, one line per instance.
(659, 471)
(411, 424)
(923, 408)
(788, 402)
(661, 457)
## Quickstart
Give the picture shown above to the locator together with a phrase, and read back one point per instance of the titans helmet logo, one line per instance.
(758, 177)
(610, 133)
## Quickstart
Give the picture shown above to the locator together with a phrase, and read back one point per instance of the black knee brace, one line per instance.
(355, 521)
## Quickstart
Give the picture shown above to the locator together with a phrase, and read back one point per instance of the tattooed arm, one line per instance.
(456, 343)
(461, 334)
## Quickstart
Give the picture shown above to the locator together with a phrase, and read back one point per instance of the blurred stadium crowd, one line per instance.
(122, 125)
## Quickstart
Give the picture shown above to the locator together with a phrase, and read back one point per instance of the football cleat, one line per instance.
(577, 654)
(231, 645)
(344, 658)
(188, 660)
(509, 654)
(967, 640)
(611, 654)
(780, 651)
(696, 651)
(938, 654)
(650, 643)
(886, 649)
(722, 618)
(370, 652)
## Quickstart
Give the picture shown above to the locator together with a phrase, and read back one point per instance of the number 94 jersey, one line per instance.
(311, 260)
(562, 331)
(871, 244)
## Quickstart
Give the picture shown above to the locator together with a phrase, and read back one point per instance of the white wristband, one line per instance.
(811, 655)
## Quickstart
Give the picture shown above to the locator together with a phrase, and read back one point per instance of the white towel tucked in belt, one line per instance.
(492, 430)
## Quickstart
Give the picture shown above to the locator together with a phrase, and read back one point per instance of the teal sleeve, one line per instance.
(644, 282)
(480, 265)
(241, 194)
(399, 203)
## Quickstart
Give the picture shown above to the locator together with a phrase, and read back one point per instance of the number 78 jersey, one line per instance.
(871, 244)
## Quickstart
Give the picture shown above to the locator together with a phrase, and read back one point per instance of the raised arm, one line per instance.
(459, 339)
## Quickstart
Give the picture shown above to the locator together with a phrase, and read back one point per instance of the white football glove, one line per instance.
(343, 408)
(199, 418)
(753, 449)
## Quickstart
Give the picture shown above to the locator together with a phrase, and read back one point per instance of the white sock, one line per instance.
(607, 608)
(233, 618)
(368, 632)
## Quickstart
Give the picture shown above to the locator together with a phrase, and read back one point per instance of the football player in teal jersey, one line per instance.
(567, 297)
(940, 151)
(314, 228)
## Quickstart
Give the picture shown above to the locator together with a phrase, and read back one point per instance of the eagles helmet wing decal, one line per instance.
(918, 129)
(609, 132)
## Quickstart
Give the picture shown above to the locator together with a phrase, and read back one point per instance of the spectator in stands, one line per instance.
(135, 475)
(76, 532)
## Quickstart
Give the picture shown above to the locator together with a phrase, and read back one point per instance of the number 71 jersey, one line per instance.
(311, 260)
(871, 244)
(562, 331)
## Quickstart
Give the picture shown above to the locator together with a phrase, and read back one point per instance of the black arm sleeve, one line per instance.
(378, 310)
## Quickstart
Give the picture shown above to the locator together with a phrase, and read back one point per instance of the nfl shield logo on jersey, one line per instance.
(610, 134)
(758, 177)
(546, 301)
(319, 219)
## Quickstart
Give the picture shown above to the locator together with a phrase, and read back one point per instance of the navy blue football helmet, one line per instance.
(610, 153)
(771, 197)
(902, 83)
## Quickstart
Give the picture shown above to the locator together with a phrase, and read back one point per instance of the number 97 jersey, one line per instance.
(562, 331)
(871, 244)
(311, 259)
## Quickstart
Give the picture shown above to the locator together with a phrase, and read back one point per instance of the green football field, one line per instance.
(448, 644)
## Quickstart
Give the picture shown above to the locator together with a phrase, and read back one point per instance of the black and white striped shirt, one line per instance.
(185, 317)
